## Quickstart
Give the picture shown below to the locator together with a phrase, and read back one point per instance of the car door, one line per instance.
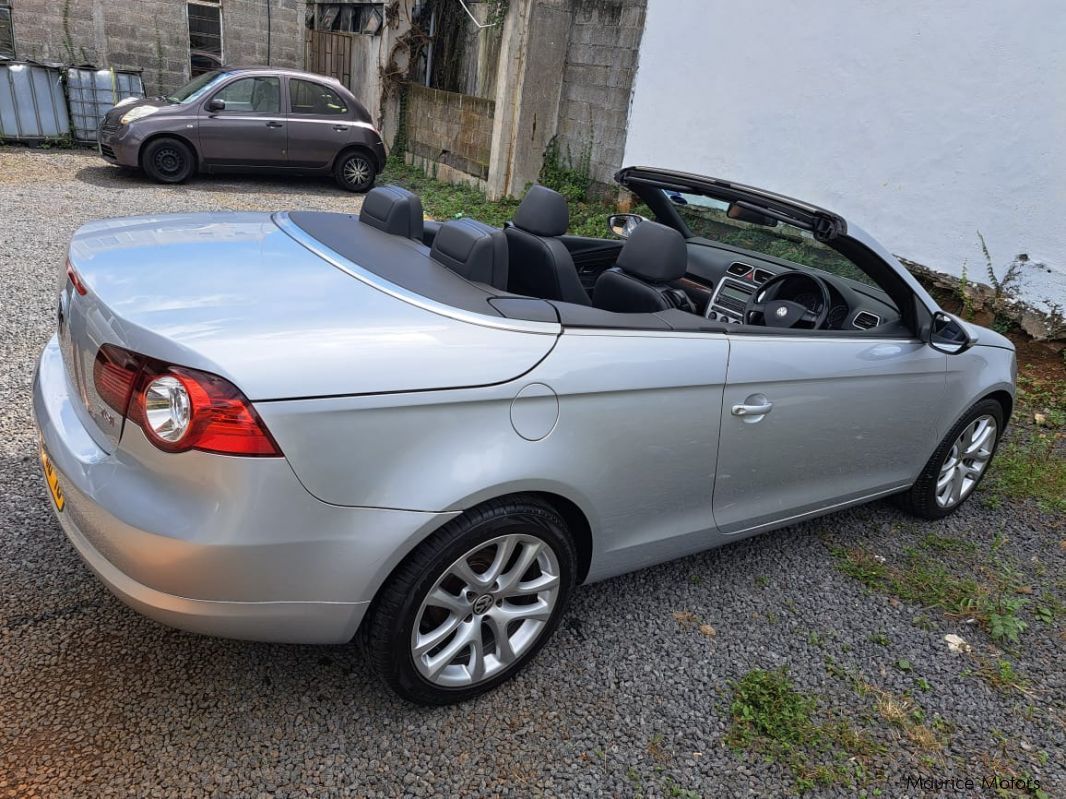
(320, 123)
(810, 422)
(250, 130)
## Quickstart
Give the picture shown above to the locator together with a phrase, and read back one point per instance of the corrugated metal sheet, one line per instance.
(93, 92)
(32, 105)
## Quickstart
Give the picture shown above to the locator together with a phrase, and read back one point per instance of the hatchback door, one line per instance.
(251, 130)
(809, 423)
(320, 123)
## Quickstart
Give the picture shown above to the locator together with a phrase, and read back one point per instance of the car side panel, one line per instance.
(851, 418)
(628, 428)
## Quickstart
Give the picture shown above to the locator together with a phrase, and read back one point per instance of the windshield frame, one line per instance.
(202, 83)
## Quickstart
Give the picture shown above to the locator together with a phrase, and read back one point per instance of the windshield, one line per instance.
(195, 88)
(710, 218)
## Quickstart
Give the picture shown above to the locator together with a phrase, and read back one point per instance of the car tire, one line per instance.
(408, 635)
(930, 497)
(355, 170)
(168, 160)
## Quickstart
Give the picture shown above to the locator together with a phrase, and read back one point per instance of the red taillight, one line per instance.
(75, 279)
(221, 420)
(114, 374)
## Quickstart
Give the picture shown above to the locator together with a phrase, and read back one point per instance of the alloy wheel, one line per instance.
(487, 609)
(966, 461)
(356, 170)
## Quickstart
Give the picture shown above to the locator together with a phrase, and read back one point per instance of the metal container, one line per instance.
(32, 105)
(94, 92)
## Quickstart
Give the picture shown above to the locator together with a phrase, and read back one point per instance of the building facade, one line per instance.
(170, 40)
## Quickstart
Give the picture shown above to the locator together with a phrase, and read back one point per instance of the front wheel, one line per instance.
(959, 463)
(355, 171)
(168, 160)
(474, 603)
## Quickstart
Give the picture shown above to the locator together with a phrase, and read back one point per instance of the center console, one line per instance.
(733, 291)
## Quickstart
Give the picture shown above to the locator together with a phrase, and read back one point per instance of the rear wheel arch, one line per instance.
(351, 148)
(577, 523)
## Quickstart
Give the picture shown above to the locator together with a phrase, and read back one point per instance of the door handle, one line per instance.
(341, 128)
(755, 405)
(752, 410)
(273, 124)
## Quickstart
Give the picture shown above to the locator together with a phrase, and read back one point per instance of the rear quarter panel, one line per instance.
(628, 428)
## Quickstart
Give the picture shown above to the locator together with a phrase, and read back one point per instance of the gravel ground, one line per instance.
(630, 698)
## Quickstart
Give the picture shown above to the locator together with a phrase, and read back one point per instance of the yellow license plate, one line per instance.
(51, 477)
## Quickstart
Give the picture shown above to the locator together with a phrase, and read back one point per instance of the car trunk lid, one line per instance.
(234, 295)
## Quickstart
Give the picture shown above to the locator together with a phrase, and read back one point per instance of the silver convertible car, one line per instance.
(303, 426)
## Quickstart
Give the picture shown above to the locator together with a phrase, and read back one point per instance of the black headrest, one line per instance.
(393, 210)
(474, 250)
(655, 253)
(542, 212)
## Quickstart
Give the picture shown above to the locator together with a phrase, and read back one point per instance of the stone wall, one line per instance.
(601, 62)
(153, 35)
(448, 134)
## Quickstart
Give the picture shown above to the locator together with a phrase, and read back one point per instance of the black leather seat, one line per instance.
(393, 210)
(652, 257)
(541, 265)
(474, 250)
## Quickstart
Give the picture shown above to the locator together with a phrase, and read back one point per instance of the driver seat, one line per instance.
(653, 256)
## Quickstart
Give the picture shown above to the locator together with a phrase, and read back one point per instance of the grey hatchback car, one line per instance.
(247, 119)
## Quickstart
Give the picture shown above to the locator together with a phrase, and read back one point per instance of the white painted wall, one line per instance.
(923, 122)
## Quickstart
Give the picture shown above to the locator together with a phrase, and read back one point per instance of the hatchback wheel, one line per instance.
(474, 603)
(959, 463)
(168, 160)
(355, 171)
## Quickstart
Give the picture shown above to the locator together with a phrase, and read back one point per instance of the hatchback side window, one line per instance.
(307, 97)
(252, 96)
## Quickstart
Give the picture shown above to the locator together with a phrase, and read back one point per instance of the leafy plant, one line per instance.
(1004, 621)
(570, 178)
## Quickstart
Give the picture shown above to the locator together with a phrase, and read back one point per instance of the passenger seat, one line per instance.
(541, 265)
(474, 250)
(393, 210)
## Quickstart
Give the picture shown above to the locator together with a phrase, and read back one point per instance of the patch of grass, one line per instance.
(771, 717)
(920, 580)
(444, 201)
(1036, 469)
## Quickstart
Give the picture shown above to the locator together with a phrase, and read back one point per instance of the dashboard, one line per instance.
(721, 279)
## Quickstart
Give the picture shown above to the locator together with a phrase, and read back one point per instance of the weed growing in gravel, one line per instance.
(920, 580)
(771, 717)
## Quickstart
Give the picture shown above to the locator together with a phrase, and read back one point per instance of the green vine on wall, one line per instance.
(571, 177)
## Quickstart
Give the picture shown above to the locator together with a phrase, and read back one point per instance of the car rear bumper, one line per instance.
(233, 547)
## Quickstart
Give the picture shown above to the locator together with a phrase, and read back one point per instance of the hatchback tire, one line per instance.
(355, 170)
(168, 160)
(474, 602)
(958, 465)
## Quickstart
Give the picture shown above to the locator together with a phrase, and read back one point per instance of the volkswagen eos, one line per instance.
(304, 427)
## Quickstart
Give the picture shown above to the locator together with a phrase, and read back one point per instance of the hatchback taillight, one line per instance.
(180, 408)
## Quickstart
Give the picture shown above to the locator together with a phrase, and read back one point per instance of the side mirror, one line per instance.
(949, 334)
(216, 105)
(623, 225)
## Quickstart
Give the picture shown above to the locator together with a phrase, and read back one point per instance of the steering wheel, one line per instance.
(786, 313)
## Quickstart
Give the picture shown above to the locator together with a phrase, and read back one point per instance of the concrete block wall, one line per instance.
(153, 35)
(451, 129)
(601, 62)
